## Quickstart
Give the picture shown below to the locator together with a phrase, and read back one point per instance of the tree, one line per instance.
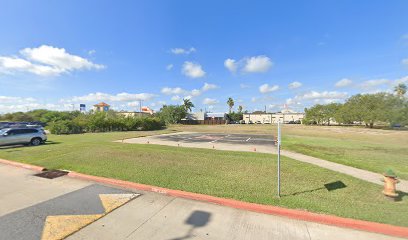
(368, 108)
(188, 105)
(400, 89)
(230, 103)
(240, 109)
(329, 112)
(172, 114)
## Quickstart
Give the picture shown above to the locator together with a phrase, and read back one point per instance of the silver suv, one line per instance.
(13, 136)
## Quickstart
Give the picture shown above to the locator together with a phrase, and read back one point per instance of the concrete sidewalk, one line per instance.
(156, 216)
(355, 172)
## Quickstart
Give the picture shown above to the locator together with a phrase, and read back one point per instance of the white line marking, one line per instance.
(247, 140)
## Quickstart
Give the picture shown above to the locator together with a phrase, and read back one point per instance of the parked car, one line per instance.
(28, 136)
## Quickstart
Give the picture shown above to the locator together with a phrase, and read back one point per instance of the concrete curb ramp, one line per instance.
(63, 215)
(61, 226)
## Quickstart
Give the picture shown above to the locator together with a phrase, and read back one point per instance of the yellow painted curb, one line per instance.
(60, 227)
(112, 201)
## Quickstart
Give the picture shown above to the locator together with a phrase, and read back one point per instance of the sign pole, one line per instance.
(279, 147)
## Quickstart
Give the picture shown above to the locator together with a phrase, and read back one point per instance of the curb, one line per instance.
(361, 225)
(266, 209)
(22, 165)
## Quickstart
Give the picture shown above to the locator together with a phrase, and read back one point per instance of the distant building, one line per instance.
(101, 107)
(286, 116)
(146, 111)
(133, 114)
(200, 116)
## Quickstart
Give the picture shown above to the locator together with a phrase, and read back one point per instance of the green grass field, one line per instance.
(370, 149)
(243, 176)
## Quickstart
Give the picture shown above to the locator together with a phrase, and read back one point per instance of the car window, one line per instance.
(31, 130)
(12, 132)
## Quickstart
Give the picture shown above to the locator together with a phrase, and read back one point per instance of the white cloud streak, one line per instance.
(45, 61)
(295, 85)
(210, 101)
(265, 88)
(345, 82)
(185, 51)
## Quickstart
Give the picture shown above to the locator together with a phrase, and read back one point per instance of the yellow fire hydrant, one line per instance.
(390, 181)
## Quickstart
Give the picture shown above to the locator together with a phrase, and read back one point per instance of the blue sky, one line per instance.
(261, 53)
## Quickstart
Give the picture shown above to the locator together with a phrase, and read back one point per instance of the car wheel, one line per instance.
(35, 141)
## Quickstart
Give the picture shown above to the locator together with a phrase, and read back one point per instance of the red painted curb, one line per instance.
(22, 165)
(266, 209)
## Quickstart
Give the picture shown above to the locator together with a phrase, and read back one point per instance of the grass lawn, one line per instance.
(370, 149)
(243, 176)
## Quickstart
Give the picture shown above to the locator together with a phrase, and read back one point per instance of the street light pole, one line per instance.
(279, 147)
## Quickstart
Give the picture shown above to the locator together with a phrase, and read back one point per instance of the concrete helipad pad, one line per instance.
(247, 139)
(219, 141)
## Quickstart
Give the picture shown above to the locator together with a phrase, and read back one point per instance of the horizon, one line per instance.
(269, 54)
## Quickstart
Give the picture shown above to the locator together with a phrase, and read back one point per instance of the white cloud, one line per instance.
(208, 86)
(373, 83)
(22, 104)
(91, 52)
(405, 61)
(257, 64)
(171, 91)
(243, 86)
(8, 99)
(179, 51)
(169, 67)
(265, 88)
(294, 85)
(210, 101)
(401, 80)
(192, 70)
(312, 95)
(45, 61)
(120, 97)
(345, 82)
(231, 65)
(176, 98)
(193, 93)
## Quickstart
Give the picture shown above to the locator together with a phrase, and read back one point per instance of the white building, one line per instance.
(286, 116)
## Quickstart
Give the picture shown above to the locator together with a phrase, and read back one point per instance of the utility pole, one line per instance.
(140, 105)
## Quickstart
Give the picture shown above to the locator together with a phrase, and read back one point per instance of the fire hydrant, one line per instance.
(390, 181)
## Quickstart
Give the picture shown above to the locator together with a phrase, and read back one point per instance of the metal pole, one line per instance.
(279, 147)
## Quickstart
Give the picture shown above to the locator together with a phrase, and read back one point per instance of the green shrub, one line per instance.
(64, 127)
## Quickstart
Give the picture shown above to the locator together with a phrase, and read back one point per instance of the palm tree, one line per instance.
(400, 89)
(230, 103)
(240, 108)
(188, 105)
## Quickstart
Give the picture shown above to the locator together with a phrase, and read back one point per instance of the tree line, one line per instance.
(76, 122)
(367, 109)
